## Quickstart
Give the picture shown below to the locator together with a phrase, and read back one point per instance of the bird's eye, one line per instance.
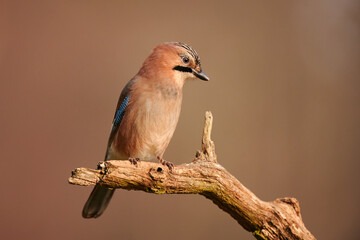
(185, 59)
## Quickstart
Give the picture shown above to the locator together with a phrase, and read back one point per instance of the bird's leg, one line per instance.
(134, 160)
(166, 163)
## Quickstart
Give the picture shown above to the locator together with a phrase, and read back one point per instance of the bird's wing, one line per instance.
(123, 102)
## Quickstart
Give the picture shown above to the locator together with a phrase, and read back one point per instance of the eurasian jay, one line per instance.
(147, 112)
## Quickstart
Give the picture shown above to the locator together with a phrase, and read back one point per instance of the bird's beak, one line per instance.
(201, 75)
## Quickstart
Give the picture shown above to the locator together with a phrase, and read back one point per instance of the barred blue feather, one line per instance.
(120, 112)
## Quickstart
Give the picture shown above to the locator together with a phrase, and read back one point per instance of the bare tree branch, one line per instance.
(279, 219)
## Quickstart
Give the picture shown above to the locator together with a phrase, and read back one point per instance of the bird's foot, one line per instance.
(134, 160)
(166, 163)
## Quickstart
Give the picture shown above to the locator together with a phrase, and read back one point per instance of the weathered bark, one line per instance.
(279, 219)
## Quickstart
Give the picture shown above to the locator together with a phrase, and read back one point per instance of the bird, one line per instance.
(147, 113)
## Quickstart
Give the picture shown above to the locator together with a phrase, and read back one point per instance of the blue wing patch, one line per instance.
(120, 112)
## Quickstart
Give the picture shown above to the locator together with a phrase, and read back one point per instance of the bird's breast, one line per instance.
(150, 122)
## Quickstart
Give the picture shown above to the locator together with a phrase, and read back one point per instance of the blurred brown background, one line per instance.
(284, 91)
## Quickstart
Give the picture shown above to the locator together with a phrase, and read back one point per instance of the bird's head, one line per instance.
(173, 60)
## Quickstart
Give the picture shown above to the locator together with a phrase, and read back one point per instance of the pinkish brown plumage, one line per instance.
(148, 111)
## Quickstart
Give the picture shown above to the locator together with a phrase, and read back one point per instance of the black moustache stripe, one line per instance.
(182, 69)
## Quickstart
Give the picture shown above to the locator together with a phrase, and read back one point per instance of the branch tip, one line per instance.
(208, 146)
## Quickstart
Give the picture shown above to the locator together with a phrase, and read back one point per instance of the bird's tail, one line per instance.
(97, 202)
